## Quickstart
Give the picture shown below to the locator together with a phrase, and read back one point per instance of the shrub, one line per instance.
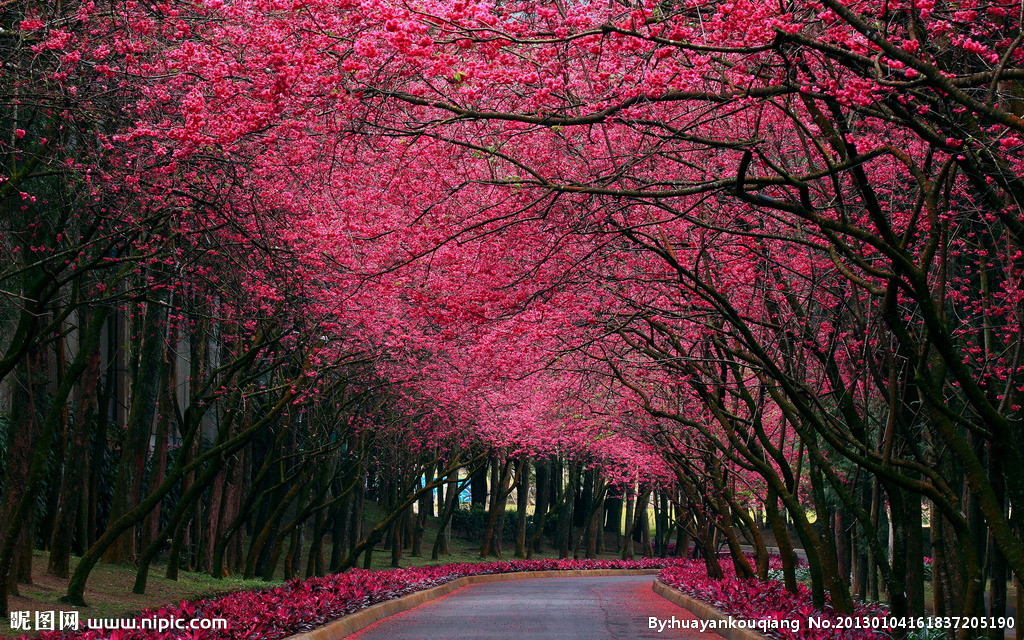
(753, 600)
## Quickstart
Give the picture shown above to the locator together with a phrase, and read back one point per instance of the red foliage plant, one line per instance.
(754, 600)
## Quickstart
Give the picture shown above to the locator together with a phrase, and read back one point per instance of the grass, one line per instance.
(109, 591)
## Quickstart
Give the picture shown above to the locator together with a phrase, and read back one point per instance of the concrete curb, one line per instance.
(705, 611)
(359, 620)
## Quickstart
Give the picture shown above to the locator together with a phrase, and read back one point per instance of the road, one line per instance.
(592, 608)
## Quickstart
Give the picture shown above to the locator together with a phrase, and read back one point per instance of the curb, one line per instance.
(359, 620)
(706, 612)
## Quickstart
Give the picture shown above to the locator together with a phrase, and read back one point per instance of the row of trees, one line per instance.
(764, 259)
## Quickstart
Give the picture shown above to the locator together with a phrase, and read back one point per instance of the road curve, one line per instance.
(590, 608)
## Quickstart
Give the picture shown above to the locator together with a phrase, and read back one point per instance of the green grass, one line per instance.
(109, 591)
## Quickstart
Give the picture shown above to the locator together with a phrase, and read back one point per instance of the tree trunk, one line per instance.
(660, 524)
(522, 497)
(135, 448)
(31, 377)
(543, 502)
(491, 544)
(60, 449)
(158, 466)
(613, 515)
(339, 530)
(316, 564)
(478, 488)
(444, 525)
(76, 475)
(842, 544)
(790, 560)
(397, 540)
(426, 508)
(626, 544)
(565, 516)
(644, 524)
(23, 550)
(293, 558)
(355, 528)
(596, 519)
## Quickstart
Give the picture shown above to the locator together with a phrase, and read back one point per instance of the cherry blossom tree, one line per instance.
(774, 248)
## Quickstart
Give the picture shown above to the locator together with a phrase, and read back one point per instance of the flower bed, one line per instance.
(754, 600)
(302, 605)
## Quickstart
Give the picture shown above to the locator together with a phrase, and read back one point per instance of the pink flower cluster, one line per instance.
(753, 599)
(302, 605)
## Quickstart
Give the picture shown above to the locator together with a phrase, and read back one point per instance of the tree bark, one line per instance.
(522, 497)
(540, 511)
(626, 544)
(135, 448)
(451, 504)
(491, 544)
(565, 516)
(75, 476)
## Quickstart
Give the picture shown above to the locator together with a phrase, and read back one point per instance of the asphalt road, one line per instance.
(592, 608)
